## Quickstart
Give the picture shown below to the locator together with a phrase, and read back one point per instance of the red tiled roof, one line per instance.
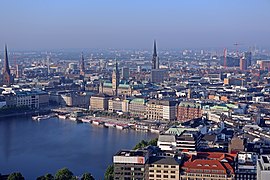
(200, 165)
(209, 162)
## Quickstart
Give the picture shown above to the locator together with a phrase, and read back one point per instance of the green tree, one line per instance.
(109, 173)
(141, 144)
(87, 176)
(153, 142)
(64, 174)
(46, 177)
(15, 176)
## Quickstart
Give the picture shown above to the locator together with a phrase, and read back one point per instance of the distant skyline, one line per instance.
(126, 24)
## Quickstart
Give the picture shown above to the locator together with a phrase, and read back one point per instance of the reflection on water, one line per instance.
(36, 148)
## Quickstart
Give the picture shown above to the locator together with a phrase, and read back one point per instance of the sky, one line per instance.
(63, 24)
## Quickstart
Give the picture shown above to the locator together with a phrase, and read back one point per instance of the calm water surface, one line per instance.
(36, 148)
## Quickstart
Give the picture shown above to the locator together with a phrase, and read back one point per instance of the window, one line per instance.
(172, 176)
(159, 176)
(165, 176)
(172, 166)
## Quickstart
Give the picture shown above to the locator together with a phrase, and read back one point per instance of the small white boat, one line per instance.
(122, 126)
(97, 122)
(85, 120)
(109, 124)
(36, 118)
(39, 118)
(73, 118)
(62, 116)
(44, 117)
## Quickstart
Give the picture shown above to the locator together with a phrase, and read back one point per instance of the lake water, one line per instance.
(36, 148)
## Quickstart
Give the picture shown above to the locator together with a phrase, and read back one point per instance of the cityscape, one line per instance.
(152, 111)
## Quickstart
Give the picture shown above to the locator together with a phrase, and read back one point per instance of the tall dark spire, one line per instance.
(155, 49)
(7, 79)
(6, 64)
(82, 68)
(155, 61)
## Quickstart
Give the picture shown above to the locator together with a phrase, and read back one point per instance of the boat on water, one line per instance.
(97, 122)
(109, 124)
(62, 116)
(39, 118)
(73, 118)
(85, 120)
(122, 126)
(35, 118)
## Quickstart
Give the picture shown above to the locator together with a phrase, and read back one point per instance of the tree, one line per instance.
(141, 144)
(64, 174)
(153, 142)
(87, 176)
(46, 177)
(15, 176)
(109, 173)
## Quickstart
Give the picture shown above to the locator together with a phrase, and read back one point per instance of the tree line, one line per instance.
(61, 174)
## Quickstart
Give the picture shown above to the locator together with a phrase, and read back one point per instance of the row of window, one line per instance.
(164, 176)
(165, 166)
(159, 171)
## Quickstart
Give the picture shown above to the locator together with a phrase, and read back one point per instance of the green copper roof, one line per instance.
(138, 101)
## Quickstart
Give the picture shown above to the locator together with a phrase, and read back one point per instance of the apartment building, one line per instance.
(188, 110)
(131, 164)
(165, 168)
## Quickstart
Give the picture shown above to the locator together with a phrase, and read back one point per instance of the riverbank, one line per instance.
(25, 113)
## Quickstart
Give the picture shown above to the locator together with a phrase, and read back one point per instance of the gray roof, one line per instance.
(163, 160)
(166, 138)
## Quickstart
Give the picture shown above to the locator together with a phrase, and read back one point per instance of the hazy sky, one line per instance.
(34, 24)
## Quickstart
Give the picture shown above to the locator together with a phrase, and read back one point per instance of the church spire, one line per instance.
(155, 60)
(155, 49)
(6, 64)
(82, 68)
(7, 79)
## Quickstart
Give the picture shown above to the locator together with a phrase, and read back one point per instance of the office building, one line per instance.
(131, 164)
(264, 64)
(263, 167)
(161, 109)
(245, 166)
(99, 102)
(243, 64)
(33, 98)
(125, 73)
(164, 168)
(248, 57)
(137, 107)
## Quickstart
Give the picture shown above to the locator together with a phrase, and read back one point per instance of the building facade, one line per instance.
(99, 102)
(188, 110)
(131, 164)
